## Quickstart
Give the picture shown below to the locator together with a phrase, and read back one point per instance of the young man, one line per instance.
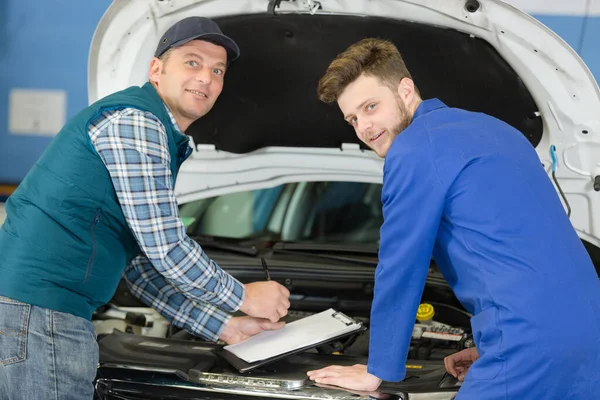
(471, 190)
(101, 198)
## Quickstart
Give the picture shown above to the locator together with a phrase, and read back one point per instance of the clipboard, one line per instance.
(343, 326)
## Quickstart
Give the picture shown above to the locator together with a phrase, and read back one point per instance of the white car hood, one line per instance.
(565, 93)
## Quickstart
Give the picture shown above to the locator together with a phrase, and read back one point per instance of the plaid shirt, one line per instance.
(174, 276)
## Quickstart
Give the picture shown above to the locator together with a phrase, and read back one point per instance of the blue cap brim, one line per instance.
(233, 51)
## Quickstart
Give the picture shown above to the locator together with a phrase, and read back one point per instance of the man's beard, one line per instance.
(404, 117)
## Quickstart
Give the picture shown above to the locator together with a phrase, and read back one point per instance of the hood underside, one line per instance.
(270, 92)
(268, 127)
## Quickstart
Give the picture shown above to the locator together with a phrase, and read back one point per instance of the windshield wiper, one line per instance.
(217, 243)
(354, 253)
(354, 248)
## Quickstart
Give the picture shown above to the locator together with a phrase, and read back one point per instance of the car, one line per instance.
(276, 175)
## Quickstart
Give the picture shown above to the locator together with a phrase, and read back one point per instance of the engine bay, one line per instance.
(442, 328)
(142, 352)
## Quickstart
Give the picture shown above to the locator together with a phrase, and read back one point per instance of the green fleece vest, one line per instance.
(65, 241)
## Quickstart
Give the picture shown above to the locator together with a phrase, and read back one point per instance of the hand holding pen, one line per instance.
(266, 299)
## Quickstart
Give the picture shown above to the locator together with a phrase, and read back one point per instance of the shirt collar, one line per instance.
(172, 119)
(427, 106)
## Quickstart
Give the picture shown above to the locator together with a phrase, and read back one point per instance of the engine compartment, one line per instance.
(446, 332)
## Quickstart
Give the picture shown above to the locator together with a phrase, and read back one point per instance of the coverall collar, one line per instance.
(428, 105)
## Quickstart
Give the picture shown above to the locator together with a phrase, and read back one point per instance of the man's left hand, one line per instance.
(355, 377)
(241, 328)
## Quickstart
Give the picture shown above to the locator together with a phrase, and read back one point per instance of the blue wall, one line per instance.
(590, 47)
(45, 46)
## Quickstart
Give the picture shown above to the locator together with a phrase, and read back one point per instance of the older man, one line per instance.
(101, 198)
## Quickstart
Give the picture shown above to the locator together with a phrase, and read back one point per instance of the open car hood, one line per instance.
(268, 127)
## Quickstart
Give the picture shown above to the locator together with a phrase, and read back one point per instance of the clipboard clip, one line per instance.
(343, 318)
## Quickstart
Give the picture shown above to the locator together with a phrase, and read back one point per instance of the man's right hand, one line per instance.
(268, 300)
(458, 364)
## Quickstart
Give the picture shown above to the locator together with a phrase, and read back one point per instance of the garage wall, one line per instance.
(47, 42)
(44, 46)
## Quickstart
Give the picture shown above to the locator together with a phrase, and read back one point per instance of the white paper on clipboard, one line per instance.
(295, 335)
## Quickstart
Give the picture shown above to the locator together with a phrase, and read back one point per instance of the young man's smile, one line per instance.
(375, 111)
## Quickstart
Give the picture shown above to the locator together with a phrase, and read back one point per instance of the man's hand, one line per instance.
(268, 300)
(458, 364)
(355, 377)
(241, 328)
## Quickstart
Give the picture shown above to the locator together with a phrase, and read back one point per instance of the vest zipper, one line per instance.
(91, 261)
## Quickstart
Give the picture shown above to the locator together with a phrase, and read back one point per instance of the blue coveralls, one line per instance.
(471, 190)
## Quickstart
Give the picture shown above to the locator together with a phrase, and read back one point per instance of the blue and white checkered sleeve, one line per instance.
(201, 319)
(133, 145)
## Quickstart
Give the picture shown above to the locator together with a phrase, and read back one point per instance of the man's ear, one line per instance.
(406, 90)
(155, 71)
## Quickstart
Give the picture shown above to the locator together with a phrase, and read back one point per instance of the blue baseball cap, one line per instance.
(196, 28)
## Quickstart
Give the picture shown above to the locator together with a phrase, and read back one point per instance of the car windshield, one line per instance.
(348, 212)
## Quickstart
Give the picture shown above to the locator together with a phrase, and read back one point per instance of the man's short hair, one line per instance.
(373, 57)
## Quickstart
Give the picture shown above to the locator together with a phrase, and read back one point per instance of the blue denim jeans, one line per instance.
(45, 354)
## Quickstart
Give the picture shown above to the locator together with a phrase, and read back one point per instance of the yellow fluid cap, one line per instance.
(425, 312)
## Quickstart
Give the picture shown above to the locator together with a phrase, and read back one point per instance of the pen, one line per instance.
(264, 265)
